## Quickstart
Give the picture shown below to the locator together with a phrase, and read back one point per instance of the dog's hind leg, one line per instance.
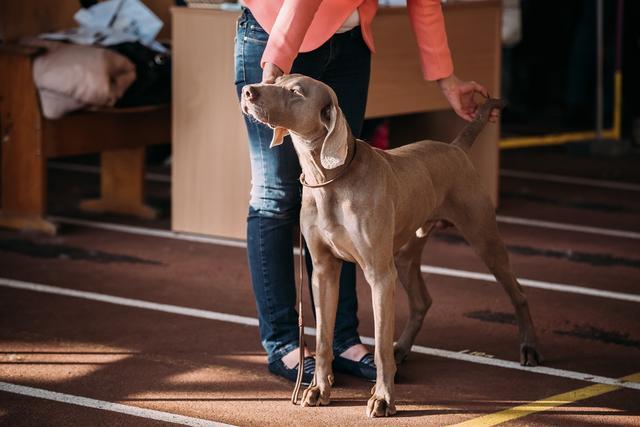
(408, 265)
(475, 219)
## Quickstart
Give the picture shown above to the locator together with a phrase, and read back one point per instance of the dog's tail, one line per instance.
(469, 134)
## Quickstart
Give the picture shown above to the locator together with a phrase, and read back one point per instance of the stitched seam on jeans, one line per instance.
(244, 62)
(251, 39)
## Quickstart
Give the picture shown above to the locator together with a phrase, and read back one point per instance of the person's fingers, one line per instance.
(470, 109)
(479, 88)
(463, 107)
(270, 73)
(267, 75)
(464, 114)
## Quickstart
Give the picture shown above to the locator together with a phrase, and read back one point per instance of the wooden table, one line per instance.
(211, 173)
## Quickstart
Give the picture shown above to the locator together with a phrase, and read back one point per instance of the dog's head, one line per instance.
(305, 107)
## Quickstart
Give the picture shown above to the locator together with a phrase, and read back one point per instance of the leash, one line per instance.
(342, 172)
(301, 343)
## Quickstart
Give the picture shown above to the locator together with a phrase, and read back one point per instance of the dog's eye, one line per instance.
(295, 90)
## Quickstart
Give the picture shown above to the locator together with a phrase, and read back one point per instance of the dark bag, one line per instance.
(153, 75)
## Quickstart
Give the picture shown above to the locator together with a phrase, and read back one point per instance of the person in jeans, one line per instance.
(330, 41)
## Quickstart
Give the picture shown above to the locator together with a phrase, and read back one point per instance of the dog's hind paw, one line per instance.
(378, 407)
(313, 397)
(529, 355)
(400, 354)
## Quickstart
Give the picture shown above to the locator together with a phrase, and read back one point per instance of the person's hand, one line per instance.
(270, 72)
(460, 95)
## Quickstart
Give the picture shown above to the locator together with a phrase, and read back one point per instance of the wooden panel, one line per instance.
(92, 132)
(397, 85)
(211, 172)
(480, 59)
(19, 18)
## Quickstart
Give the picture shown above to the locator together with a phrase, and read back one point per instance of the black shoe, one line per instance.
(365, 368)
(279, 368)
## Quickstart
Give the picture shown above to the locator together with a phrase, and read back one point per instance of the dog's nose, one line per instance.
(250, 93)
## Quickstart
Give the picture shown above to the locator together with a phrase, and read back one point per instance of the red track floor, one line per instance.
(215, 370)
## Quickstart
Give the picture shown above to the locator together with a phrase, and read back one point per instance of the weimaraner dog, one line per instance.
(376, 208)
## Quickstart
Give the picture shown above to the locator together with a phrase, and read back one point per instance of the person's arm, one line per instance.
(286, 36)
(428, 25)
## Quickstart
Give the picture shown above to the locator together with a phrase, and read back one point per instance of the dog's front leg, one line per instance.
(383, 284)
(325, 284)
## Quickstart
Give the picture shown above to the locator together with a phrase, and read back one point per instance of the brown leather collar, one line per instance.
(341, 173)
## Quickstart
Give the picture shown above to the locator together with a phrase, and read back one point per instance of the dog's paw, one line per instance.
(312, 396)
(378, 407)
(529, 355)
(400, 354)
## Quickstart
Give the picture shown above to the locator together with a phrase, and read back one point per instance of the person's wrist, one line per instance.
(447, 82)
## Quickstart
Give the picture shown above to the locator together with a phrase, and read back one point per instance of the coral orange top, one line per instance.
(304, 25)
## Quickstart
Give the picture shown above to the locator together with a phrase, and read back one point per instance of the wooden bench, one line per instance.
(28, 139)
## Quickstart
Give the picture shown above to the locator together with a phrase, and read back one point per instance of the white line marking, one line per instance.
(500, 218)
(568, 227)
(73, 167)
(129, 302)
(152, 232)
(564, 179)
(106, 406)
(558, 287)
(570, 180)
(466, 357)
(250, 321)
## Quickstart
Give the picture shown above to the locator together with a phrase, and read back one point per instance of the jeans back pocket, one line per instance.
(254, 32)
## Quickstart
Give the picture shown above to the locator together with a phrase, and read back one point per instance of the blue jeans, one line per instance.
(343, 63)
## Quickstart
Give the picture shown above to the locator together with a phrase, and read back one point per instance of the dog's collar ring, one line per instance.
(342, 172)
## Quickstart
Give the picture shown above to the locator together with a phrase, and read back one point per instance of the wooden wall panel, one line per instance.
(211, 171)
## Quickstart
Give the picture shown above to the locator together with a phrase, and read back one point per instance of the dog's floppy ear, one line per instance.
(278, 135)
(334, 149)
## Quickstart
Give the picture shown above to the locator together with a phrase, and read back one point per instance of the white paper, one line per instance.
(113, 22)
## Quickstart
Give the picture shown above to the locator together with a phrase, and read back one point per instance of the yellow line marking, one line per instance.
(545, 404)
(553, 139)
(562, 138)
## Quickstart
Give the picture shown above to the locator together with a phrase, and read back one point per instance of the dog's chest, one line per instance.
(331, 227)
(337, 239)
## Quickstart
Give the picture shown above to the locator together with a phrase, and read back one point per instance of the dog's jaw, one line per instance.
(256, 112)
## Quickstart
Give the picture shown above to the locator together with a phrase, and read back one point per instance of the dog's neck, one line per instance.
(309, 157)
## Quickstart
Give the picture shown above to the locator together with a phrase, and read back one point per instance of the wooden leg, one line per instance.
(122, 185)
(23, 177)
(30, 223)
(24, 191)
(24, 185)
